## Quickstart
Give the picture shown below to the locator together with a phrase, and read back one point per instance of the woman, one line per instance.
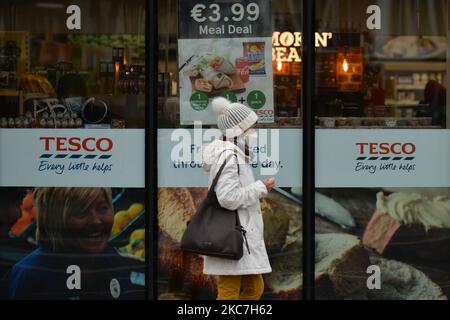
(237, 189)
(73, 260)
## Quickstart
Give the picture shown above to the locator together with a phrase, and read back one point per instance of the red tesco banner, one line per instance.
(76, 144)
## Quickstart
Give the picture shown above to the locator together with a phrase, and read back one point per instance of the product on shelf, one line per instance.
(136, 245)
(31, 84)
(28, 214)
(124, 217)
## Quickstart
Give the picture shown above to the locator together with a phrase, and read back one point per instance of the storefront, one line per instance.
(352, 124)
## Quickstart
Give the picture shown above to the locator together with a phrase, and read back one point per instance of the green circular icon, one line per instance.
(230, 96)
(256, 99)
(199, 101)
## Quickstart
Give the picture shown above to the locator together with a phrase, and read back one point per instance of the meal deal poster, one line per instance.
(225, 49)
(76, 158)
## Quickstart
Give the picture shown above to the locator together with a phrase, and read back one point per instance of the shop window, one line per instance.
(383, 112)
(261, 70)
(67, 229)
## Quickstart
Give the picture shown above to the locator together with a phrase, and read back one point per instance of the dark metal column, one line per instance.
(151, 168)
(308, 105)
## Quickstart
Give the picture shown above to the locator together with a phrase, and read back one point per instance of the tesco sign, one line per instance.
(77, 144)
(384, 148)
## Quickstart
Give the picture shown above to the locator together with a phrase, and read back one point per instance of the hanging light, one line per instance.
(345, 65)
(279, 65)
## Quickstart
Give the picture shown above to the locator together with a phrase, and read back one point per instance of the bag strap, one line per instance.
(216, 178)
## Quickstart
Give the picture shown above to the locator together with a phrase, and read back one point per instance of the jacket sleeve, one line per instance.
(230, 194)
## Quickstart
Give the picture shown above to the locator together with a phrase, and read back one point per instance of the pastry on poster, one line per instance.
(341, 263)
(176, 206)
(401, 281)
(407, 224)
(214, 74)
(341, 258)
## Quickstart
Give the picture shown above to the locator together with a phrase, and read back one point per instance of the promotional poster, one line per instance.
(225, 50)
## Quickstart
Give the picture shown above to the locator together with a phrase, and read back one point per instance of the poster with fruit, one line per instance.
(225, 49)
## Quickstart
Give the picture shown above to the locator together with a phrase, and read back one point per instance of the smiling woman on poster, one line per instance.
(73, 259)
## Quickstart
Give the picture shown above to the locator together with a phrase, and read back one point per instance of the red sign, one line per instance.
(384, 148)
(77, 144)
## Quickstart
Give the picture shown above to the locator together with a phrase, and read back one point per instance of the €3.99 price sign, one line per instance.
(225, 49)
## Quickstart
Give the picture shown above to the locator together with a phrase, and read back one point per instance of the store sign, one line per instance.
(90, 158)
(225, 50)
(286, 45)
(382, 158)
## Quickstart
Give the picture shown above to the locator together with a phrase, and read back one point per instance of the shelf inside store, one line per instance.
(410, 87)
(31, 96)
(9, 93)
(413, 65)
(404, 103)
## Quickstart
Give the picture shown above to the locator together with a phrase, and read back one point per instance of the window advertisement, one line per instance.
(225, 50)
(72, 130)
(382, 140)
(229, 94)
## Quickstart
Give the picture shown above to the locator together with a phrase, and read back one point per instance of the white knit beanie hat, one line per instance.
(233, 118)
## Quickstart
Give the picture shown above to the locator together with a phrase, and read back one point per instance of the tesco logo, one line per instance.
(76, 144)
(384, 148)
(264, 112)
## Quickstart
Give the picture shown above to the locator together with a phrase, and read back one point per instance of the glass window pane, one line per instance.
(72, 213)
(381, 152)
(259, 68)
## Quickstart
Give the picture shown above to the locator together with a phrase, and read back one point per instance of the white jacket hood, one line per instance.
(212, 151)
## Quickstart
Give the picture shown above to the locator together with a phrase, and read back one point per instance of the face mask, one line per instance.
(74, 103)
(248, 139)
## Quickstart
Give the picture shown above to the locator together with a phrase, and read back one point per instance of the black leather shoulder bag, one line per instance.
(215, 231)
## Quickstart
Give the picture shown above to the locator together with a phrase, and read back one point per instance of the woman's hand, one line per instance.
(269, 183)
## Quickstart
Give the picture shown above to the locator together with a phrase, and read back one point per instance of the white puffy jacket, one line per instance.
(239, 192)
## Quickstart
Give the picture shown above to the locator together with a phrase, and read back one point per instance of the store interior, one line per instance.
(393, 78)
(52, 77)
